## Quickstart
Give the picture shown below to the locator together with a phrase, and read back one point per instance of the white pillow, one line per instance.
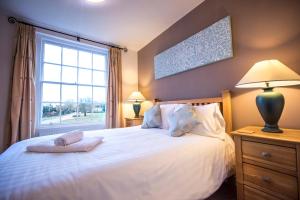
(165, 110)
(182, 120)
(152, 118)
(211, 120)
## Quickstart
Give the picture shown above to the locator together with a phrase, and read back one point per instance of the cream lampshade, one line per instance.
(268, 74)
(137, 98)
(271, 72)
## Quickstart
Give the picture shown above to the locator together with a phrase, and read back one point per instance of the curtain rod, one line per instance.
(13, 20)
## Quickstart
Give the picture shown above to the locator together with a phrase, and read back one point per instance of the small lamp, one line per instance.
(137, 98)
(268, 74)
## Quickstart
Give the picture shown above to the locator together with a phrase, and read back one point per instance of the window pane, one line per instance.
(69, 93)
(69, 113)
(69, 74)
(50, 113)
(99, 108)
(84, 104)
(98, 114)
(90, 117)
(85, 59)
(99, 62)
(84, 94)
(69, 57)
(99, 101)
(84, 111)
(99, 78)
(52, 72)
(85, 76)
(99, 95)
(51, 92)
(52, 54)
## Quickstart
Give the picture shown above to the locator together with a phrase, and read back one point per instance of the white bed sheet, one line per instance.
(131, 163)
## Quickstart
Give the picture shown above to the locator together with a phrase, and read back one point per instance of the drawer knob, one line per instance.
(266, 154)
(266, 179)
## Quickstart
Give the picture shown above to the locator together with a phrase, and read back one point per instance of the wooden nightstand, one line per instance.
(267, 164)
(133, 121)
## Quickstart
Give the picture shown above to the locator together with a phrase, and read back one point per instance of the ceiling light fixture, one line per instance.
(95, 1)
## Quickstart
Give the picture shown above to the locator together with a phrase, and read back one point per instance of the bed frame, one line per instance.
(224, 101)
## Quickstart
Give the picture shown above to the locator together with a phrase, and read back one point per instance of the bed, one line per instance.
(131, 163)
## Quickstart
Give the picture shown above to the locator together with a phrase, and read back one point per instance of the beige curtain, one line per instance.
(114, 90)
(23, 88)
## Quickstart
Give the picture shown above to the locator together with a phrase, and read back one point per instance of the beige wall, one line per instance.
(7, 45)
(262, 29)
(129, 79)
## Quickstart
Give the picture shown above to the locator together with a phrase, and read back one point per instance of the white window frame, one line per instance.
(41, 40)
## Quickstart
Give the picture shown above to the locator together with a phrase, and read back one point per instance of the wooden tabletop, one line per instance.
(135, 118)
(289, 135)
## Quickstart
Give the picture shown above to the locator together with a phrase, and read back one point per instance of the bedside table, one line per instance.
(267, 164)
(133, 121)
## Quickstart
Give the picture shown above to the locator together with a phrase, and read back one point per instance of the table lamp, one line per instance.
(268, 74)
(137, 98)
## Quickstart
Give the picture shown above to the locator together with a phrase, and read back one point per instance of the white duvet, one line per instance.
(131, 163)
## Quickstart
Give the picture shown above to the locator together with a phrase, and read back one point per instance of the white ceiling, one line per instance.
(130, 23)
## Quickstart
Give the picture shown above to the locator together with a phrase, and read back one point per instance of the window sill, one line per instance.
(56, 129)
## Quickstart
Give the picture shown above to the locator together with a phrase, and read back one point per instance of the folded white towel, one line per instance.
(86, 144)
(69, 138)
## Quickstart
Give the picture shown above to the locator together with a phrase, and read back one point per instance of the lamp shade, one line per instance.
(136, 97)
(269, 73)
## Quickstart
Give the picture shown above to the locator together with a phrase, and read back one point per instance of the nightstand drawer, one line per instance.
(278, 184)
(268, 154)
(253, 194)
(133, 121)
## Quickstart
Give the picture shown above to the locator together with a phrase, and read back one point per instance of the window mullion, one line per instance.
(60, 104)
(40, 83)
(92, 82)
(77, 83)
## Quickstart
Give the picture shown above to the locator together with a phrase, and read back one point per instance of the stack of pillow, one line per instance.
(179, 119)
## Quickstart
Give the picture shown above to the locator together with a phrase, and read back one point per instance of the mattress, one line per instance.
(131, 163)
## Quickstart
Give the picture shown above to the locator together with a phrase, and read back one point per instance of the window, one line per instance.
(71, 83)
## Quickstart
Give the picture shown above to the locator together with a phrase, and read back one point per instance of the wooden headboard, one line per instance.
(224, 102)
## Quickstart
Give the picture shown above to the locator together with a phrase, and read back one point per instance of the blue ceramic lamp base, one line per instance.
(270, 105)
(136, 109)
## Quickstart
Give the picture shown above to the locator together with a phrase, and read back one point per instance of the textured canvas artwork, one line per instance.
(207, 46)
